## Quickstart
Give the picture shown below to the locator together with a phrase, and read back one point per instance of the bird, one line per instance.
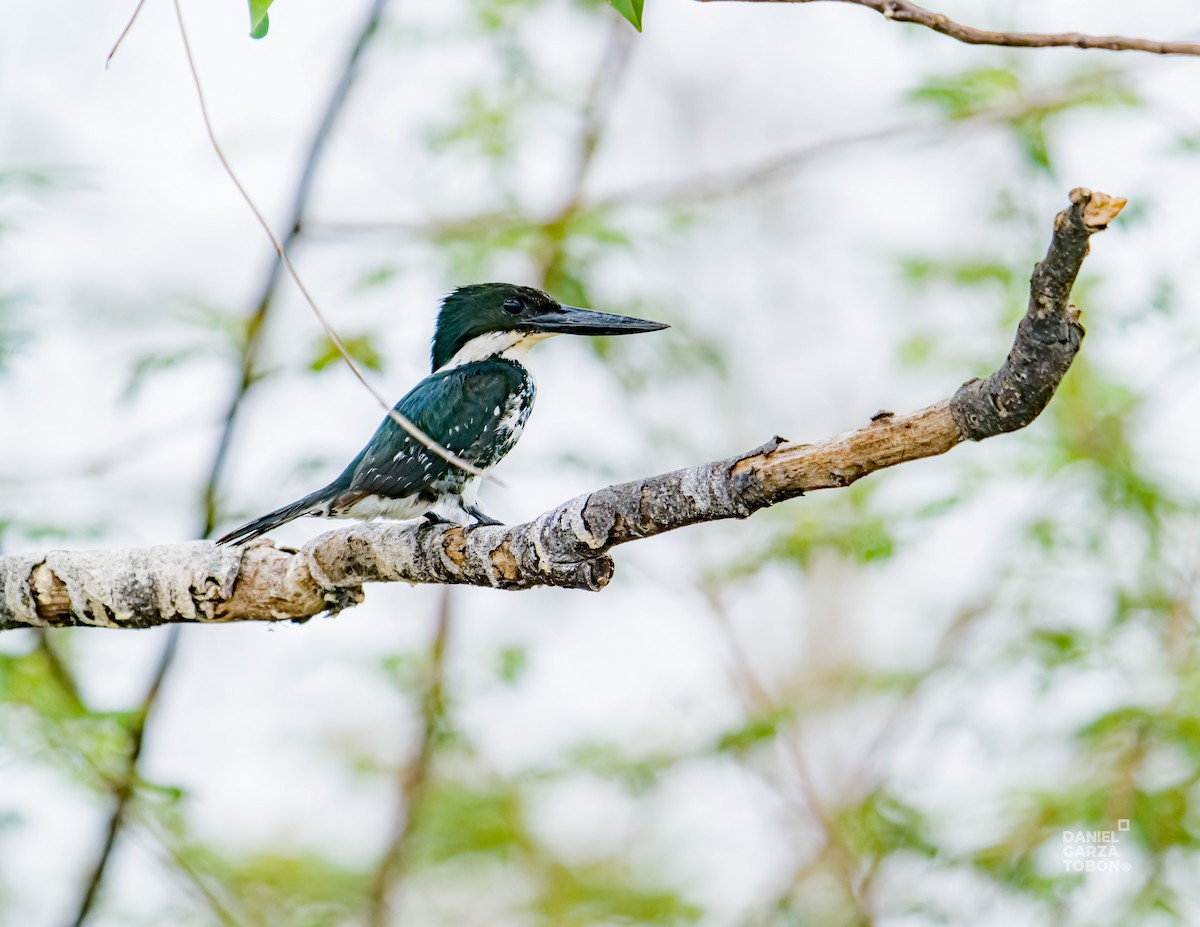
(474, 403)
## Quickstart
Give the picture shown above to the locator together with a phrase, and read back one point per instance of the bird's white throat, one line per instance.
(512, 346)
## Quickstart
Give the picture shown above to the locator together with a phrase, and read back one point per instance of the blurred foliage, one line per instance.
(637, 774)
(511, 664)
(844, 524)
(360, 347)
(966, 94)
(882, 825)
(19, 184)
(42, 707)
(607, 894)
(485, 824)
(1094, 580)
(303, 890)
(758, 729)
(12, 336)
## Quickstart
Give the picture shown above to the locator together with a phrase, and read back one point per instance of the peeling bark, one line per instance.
(566, 546)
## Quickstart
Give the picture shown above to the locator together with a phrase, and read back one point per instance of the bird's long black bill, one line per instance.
(569, 320)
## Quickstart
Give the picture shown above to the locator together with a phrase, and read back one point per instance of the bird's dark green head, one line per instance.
(485, 319)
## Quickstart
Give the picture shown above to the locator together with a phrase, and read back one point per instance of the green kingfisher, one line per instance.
(475, 404)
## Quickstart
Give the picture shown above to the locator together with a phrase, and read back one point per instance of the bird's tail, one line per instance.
(312, 504)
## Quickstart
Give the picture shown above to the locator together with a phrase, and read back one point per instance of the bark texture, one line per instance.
(568, 545)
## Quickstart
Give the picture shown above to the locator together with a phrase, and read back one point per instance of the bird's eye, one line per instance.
(513, 306)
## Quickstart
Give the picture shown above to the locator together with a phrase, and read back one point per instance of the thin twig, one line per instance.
(413, 779)
(607, 78)
(124, 32)
(59, 670)
(757, 700)
(124, 789)
(725, 182)
(257, 318)
(708, 186)
(730, 182)
(902, 11)
(609, 75)
(63, 675)
(417, 434)
(184, 865)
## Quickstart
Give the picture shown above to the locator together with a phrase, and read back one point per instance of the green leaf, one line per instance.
(760, 728)
(360, 347)
(258, 18)
(631, 10)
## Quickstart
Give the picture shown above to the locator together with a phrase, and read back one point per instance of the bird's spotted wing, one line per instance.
(469, 410)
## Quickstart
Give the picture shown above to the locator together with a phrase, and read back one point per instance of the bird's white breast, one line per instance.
(371, 507)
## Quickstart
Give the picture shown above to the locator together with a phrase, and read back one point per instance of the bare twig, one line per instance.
(59, 670)
(417, 434)
(704, 186)
(124, 32)
(218, 907)
(902, 11)
(734, 181)
(257, 318)
(412, 779)
(163, 842)
(566, 546)
(757, 701)
(609, 75)
(123, 790)
(710, 185)
(596, 108)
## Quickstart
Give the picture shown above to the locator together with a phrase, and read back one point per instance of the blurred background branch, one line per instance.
(413, 777)
(260, 311)
(256, 319)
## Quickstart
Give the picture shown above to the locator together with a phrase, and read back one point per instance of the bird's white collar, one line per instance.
(512, 346)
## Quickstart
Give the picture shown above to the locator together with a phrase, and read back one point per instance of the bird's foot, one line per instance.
(480, 518)
(434, 518)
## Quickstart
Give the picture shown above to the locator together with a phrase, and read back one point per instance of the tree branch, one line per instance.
(902, 11)
(566, 546)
